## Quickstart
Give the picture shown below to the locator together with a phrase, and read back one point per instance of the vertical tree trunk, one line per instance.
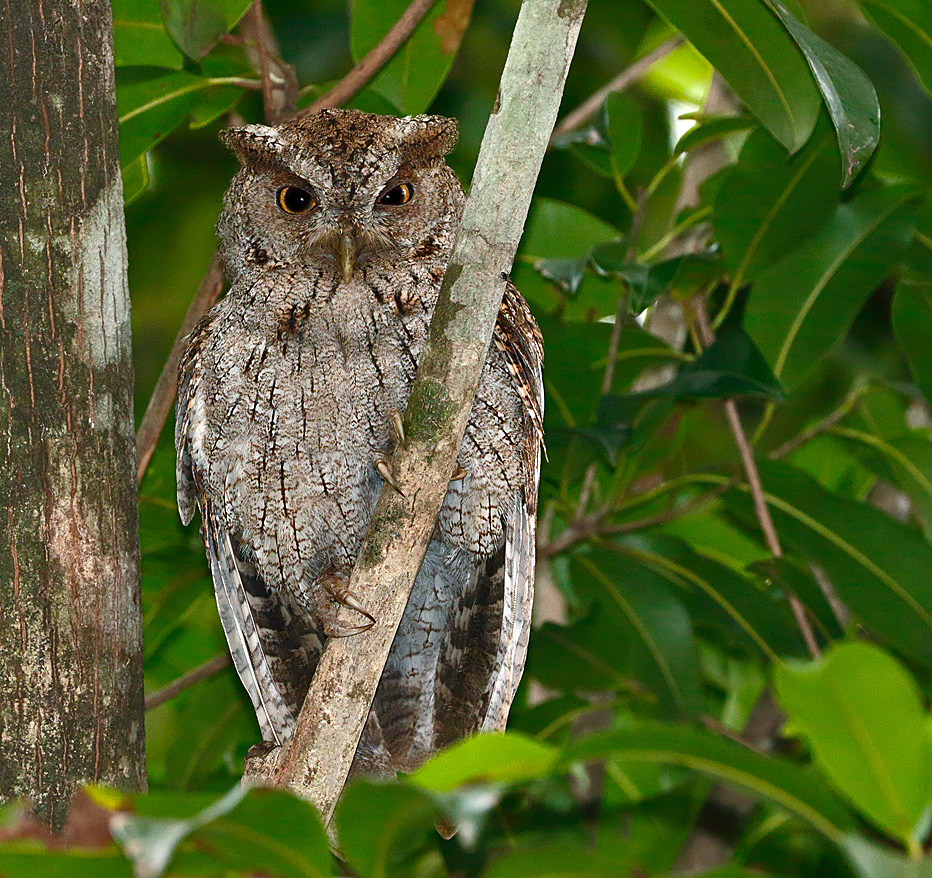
(71, 696)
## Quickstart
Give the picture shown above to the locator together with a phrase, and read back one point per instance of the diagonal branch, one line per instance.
(317, 758)
(187, 680)
(375, 60)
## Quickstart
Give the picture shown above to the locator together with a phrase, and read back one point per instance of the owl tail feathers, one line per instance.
(275, 719)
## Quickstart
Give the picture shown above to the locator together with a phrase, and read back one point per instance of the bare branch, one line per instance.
(761, 509)
(375, 60)
(163, 396)
(576, 118)
(279, 84)
(187, 680)
(317, 758)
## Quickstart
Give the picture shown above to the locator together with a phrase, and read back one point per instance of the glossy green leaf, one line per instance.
(557, 230)
(909, 24)
(492, 758)
(770, 202)
(75, 863)
(802, 305)
(912, 325)
(646, 282)
(731, 366)
(720, 598)
(798, 790)
(255, 830)
(140, 38)
(417, 70)
(848, 93)
(881, 569)
(746, 43)
(711, 129)
(623, 124)
(380, 825)
(151, 106)
(197, 25)
(862, 714)
(650, 620)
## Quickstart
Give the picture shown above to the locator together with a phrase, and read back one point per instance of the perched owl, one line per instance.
(334, 237)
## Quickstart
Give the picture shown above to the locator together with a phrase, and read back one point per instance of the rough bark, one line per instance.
(316, 760)
(71, 694)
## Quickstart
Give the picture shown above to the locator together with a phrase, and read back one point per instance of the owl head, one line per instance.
(340, 190)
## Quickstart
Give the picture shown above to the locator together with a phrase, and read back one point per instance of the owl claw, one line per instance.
(458, 475)
(346, 598)
(397, 428)
(383, 467)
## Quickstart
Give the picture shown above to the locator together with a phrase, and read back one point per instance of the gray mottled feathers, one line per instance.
(284, 399)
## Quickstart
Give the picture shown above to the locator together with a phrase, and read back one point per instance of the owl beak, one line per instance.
(345, 251)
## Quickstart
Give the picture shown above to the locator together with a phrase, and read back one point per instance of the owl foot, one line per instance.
(458, 475)
(383, 466)
(337, 588)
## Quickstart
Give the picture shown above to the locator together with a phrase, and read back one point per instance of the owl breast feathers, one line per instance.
(334, 237)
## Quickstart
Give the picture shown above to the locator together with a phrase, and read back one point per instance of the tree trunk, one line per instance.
(71, 694)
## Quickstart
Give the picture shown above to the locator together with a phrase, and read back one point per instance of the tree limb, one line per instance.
(315, 761)
(187, 680)
(375, 60)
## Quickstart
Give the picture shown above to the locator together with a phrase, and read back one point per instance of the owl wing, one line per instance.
(486, 644)
(273, 646)
(518, 337)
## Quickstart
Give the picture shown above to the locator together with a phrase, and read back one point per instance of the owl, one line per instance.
(334, 238)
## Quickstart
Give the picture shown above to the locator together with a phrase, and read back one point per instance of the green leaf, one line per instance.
(746, 43)
(880, 569)
(381, 825)
(140, 38)
(650, 620)
(557, 230)
(488, 759)
(798, 790)
(267, 831)
(861, 712)
(848, 93)
(151, 106)
(559, 861)
(769, 202)
(623, 124)
(416, 72)
(15, 862)
(731, 366)
(711, 129)
(803, 305)
(135, 178)
(908, 23)
(646, 282)
(912, 325)
(197, 25)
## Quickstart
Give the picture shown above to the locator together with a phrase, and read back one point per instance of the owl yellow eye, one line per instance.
(400, 194)
(293, 200)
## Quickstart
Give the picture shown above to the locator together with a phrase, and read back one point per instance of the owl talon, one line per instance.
(344, 597)
(397, 428)
(458, 475)
(383, 467)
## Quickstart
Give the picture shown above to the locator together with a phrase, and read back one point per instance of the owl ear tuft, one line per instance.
(253, 143)
(426, 137)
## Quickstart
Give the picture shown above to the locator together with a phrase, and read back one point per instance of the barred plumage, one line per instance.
(286, 392)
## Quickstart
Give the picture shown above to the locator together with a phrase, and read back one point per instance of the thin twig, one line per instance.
(279, 84)
(375, 60)
(596, 525)
(631, 74)
(823, 426)
(164, 394)
(187, 680)
(749, 464)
